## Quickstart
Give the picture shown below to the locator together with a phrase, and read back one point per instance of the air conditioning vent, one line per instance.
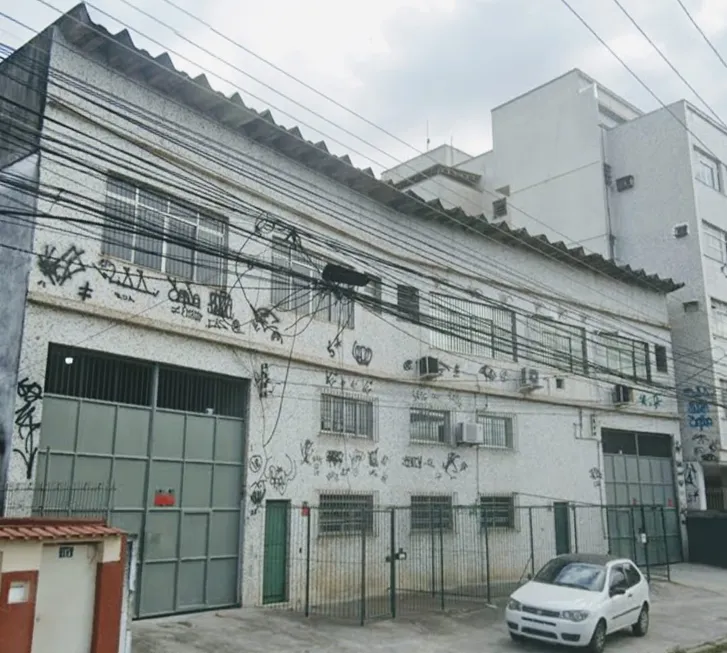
(428, 367)
(469, 433)
(681, 230)
(624, 183)
(607, 174)
(499, 208)
(529, 379)
(622, 394)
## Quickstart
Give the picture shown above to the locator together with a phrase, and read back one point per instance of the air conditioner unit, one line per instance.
(428, 367)
(529, 379)
(469, 433)
(622, 394)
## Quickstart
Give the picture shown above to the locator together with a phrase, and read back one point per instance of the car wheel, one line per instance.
(641, 627)
(598, 641)
(519, 639)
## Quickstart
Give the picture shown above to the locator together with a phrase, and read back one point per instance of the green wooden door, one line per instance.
(275, 554)
(561, 515)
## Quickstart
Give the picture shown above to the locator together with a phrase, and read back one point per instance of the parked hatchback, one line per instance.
(578, 599)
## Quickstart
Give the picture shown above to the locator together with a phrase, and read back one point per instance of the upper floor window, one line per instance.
(472, 328)
(342, 415)
(719, 318)
(623, 357)
(294, 287)
(407, 301)
(430, 513)
(497, 431)
(155, 231)
(715, 242)
(661, 359)
(427, 425)
(555, 344)
(707, 170)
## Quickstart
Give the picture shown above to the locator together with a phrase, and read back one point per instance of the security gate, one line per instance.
(170, 442)
(641, 496)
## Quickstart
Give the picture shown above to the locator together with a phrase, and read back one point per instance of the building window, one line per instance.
(719, 318)
(497, 511)
(407, 301)
(471, 328)
(155, 231)
(707, 170)
(623, 357)
(346, 513)
(555, 344)
(343, 415)
(428, 512)
(662, 365)
(715, 243)
(426, 425)
(691, 307)
(497, 431)
(373, 288)
(299, 294)
(723, 394)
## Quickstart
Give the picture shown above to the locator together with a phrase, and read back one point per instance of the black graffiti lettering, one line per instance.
(256, 463)
(85, 291)
(361, 354)
(334, 457)
(184, 295)
(130, 280)
(60, 268)
(27, 422)
(220, 304)
(187, 312)
(412, 462)
(451, 466)
(306, 452)
(123, 297)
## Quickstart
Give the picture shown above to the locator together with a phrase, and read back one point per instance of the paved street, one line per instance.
(687, 612)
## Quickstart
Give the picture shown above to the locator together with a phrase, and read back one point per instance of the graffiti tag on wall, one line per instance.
(28, 423)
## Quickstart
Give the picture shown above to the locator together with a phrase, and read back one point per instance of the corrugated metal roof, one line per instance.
(119, 51)
(34, 529)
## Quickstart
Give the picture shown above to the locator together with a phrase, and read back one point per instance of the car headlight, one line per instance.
(512, 604)
(574, 615)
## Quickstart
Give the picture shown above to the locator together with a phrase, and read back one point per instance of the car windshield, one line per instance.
(568, 573)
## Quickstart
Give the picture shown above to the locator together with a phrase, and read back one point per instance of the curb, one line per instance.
(707, 647)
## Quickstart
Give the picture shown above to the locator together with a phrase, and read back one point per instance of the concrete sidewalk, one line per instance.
(683, 615)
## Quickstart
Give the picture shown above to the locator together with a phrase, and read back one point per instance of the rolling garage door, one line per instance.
(641, 496)
(170, 441)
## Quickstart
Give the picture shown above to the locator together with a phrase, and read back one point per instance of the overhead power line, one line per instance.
(698, 28)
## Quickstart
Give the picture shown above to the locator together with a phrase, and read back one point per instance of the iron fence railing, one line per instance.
(57, 500)
(716, 499)
(386, 562)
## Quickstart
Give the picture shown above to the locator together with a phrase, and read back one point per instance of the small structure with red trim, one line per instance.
(60, 578)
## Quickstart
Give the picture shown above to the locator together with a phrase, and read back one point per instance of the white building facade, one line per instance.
(576, 162)
(176, 340)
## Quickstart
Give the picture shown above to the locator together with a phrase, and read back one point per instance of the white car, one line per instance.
(578, 599)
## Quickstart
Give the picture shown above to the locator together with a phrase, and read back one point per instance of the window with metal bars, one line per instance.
(192, 391)
(344, 415)
(471, 328)
(497, 511)
(555, 344)
(407, 303)
(154, 231)
(498, 431)
(622, 357)
(428, 512)
(346, 514)
(427, 425)
(297, 292)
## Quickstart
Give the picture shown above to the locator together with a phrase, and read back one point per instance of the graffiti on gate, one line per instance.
(28, 423)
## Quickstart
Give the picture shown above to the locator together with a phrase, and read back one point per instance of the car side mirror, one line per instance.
(616, 591)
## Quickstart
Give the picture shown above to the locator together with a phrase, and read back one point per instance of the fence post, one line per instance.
(632, 522)
(666, 543)
(487, 552)
(392, 563)
(646, 543)
(532, 542)
(441, 551)
(575, 528)
(433, 549)
(307, 563)
(363, 565)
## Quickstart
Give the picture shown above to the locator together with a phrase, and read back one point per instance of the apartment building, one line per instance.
(228, 325)
(574, 161)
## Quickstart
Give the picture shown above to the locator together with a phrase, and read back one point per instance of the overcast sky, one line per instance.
(401, 64)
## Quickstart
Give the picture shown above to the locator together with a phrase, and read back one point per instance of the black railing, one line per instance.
(716, 499)
(365, 564)
(57, 500)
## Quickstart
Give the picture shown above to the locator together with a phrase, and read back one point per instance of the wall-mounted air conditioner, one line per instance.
(622, 394)
(469, 433)
(529, 379)
(428, 367)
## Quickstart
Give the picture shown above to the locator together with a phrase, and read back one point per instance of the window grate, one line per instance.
(427, 425)
(497, 431)
(191, 391)
(623, 357)
(407, 301)
(497, 512)
(346, 513)
(555, 344)
(343, 415)
(428, 512)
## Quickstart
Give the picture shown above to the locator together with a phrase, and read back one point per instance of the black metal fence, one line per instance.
(56, 500)
(364, 564)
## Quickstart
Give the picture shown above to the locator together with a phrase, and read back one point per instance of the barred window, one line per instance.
(497, 511)
(347, 416)
(427, 425)
(297, 292)
(346, 513)
(498, 431)
(555, 344)
(428, 512)
(623, 357)
(471, 328)
(152, 230)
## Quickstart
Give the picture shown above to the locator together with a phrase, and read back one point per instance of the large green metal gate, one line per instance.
(641, 497)
(177, 477)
